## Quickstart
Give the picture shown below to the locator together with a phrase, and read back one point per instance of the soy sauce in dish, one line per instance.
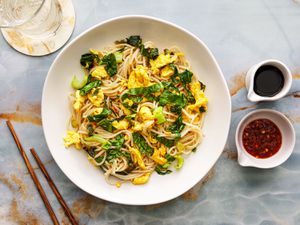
(261, 138)
(268, 81)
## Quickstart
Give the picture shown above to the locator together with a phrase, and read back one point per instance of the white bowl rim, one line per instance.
(169, 24)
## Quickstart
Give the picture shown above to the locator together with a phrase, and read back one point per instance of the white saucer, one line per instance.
(48, 45)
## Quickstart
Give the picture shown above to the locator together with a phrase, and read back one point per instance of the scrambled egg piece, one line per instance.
(74, 122)
(96, 97)
(145, 113)
(97, 111)
(79, 100)
(121, 125)
(126, 111)
(180, 147)
(161, 61)
(96, 52)
(137, 126)
(179, 53)
(128, 101)
(92, 160)
(185, 118)
(142, 179)
(124, 83)
(158, 155)
(146, 119)
(137, 157)
(139, 77)
(152, 140)
(99, 72)
(166, 72)
(118, 184)
(199, 96)
(72, 138)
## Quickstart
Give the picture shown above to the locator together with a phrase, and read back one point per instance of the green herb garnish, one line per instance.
(110, 63)
(104, 114)
(142, 145)
(107, 125)
(87, 60)
(88, 87)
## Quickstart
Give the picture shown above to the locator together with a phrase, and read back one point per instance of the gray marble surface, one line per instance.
(240, 34)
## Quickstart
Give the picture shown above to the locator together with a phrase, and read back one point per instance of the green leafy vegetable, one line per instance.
(190, 97)
(88, 87)
(90, 79)
(175, 79)
(161, 171)
(202, 86)
(168, 97)
(176, 109)
(130, 117)
(186, 77)
(141, 143)
(90, 129)
(169, 158)
(77, 84)
(115, 149)
(110, 64)
(99, 159)
(134, 40)
(202, 109)
(87, 60)
(170, 86)
(167, 142)
(135, 94)
(107, 125)
(150, 53)
(96, 118)
(90, 151)
(113, 154)
(159, 115)
(177, 126)
(145, 90)
(118, 142)
(112, 147)
(135, 99)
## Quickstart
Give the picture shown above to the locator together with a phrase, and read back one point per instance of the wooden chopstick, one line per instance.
(54, 188)
(32, 174)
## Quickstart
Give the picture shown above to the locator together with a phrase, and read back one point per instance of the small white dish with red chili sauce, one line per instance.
(264, 138)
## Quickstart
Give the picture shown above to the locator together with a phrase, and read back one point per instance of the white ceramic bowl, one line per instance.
(288, 139)
(55, 110)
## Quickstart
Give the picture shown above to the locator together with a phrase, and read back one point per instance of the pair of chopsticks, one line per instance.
(38, 184)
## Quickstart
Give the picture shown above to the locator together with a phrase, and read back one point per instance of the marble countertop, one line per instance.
(240, 34)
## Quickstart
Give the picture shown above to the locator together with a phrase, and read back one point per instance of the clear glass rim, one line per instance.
(33, 15)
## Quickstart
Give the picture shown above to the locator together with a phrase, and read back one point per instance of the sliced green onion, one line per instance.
(119, 57)
(159, 115)
(77, 84)
(97, 138)
(180, 161)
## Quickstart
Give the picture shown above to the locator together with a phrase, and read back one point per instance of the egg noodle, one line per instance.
(136, 110)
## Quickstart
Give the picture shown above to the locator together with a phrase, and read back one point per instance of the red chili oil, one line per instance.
(262, 138)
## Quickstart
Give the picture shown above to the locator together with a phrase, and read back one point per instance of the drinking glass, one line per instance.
(36, 27)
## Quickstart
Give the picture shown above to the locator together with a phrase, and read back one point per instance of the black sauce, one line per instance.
(268, 81)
